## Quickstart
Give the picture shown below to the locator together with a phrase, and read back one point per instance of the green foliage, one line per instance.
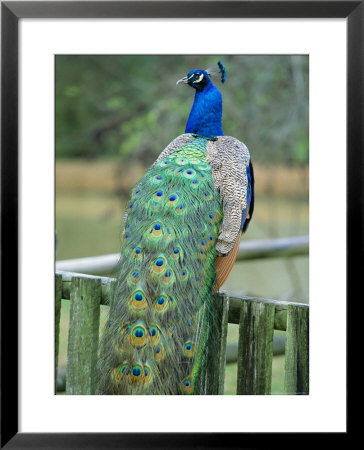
(130, 106)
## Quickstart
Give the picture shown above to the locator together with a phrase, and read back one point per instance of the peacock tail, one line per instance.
(161, 313)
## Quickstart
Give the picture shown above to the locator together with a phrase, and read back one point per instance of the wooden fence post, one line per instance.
(211, 381)
(297, 353)
(255, 348)
(83, 336)
(58, 301)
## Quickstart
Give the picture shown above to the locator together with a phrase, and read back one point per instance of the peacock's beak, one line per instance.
(182, 80)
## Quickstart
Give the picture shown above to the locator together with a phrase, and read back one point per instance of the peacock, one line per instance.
(180, 238)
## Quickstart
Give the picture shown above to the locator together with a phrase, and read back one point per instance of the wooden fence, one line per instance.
(257, 319)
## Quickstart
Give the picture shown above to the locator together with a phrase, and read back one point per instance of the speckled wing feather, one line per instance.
(229, 159)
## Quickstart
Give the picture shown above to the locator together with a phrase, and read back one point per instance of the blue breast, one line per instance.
(206, 114)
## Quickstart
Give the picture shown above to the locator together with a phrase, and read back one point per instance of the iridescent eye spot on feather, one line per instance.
(177, 318)
(154, 205)
(159, 264)
(147, 374)
(195, 184)
(181, 209)
(161, 304)
(126, 237)
(168, 233)
(125, 329)
(191, 324)
(201, 254)
(172, 200)
(125, 369)
(120, 373)
(164, 163)
(182, 161)
(138, 336)
(189, 349)
(168, 277)
(203, 244)
(130, 207)
(213, 217)
(154, 334)
(175, 171)
(198, 280)
(135, 193)
(137, 253)
(134, 276)
(189, 173)
(177, 253)
(207, 195)
(157, 179)
(159, 352)
(202, 227)
(156, 231)
(157, 197)
(204, 166)
(183, 274)
(187, 386)
(136, 371)
(138, 302)
(137, 374)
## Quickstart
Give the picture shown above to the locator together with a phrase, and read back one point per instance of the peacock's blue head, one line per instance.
(198, 79)
(206, 114)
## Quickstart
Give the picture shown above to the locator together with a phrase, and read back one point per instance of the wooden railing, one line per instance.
(257, 319)
(250, 249)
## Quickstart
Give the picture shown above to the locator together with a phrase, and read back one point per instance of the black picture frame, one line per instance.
(11, 12)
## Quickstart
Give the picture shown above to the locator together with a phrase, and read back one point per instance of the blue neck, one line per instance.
(206, 114)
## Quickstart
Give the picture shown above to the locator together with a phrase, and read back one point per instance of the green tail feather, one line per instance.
(156, 335)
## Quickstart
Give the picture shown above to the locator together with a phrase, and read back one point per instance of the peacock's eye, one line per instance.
(198, 77)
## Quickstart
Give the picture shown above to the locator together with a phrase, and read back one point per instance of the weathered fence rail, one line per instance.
(254, 249)
(257, 319)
